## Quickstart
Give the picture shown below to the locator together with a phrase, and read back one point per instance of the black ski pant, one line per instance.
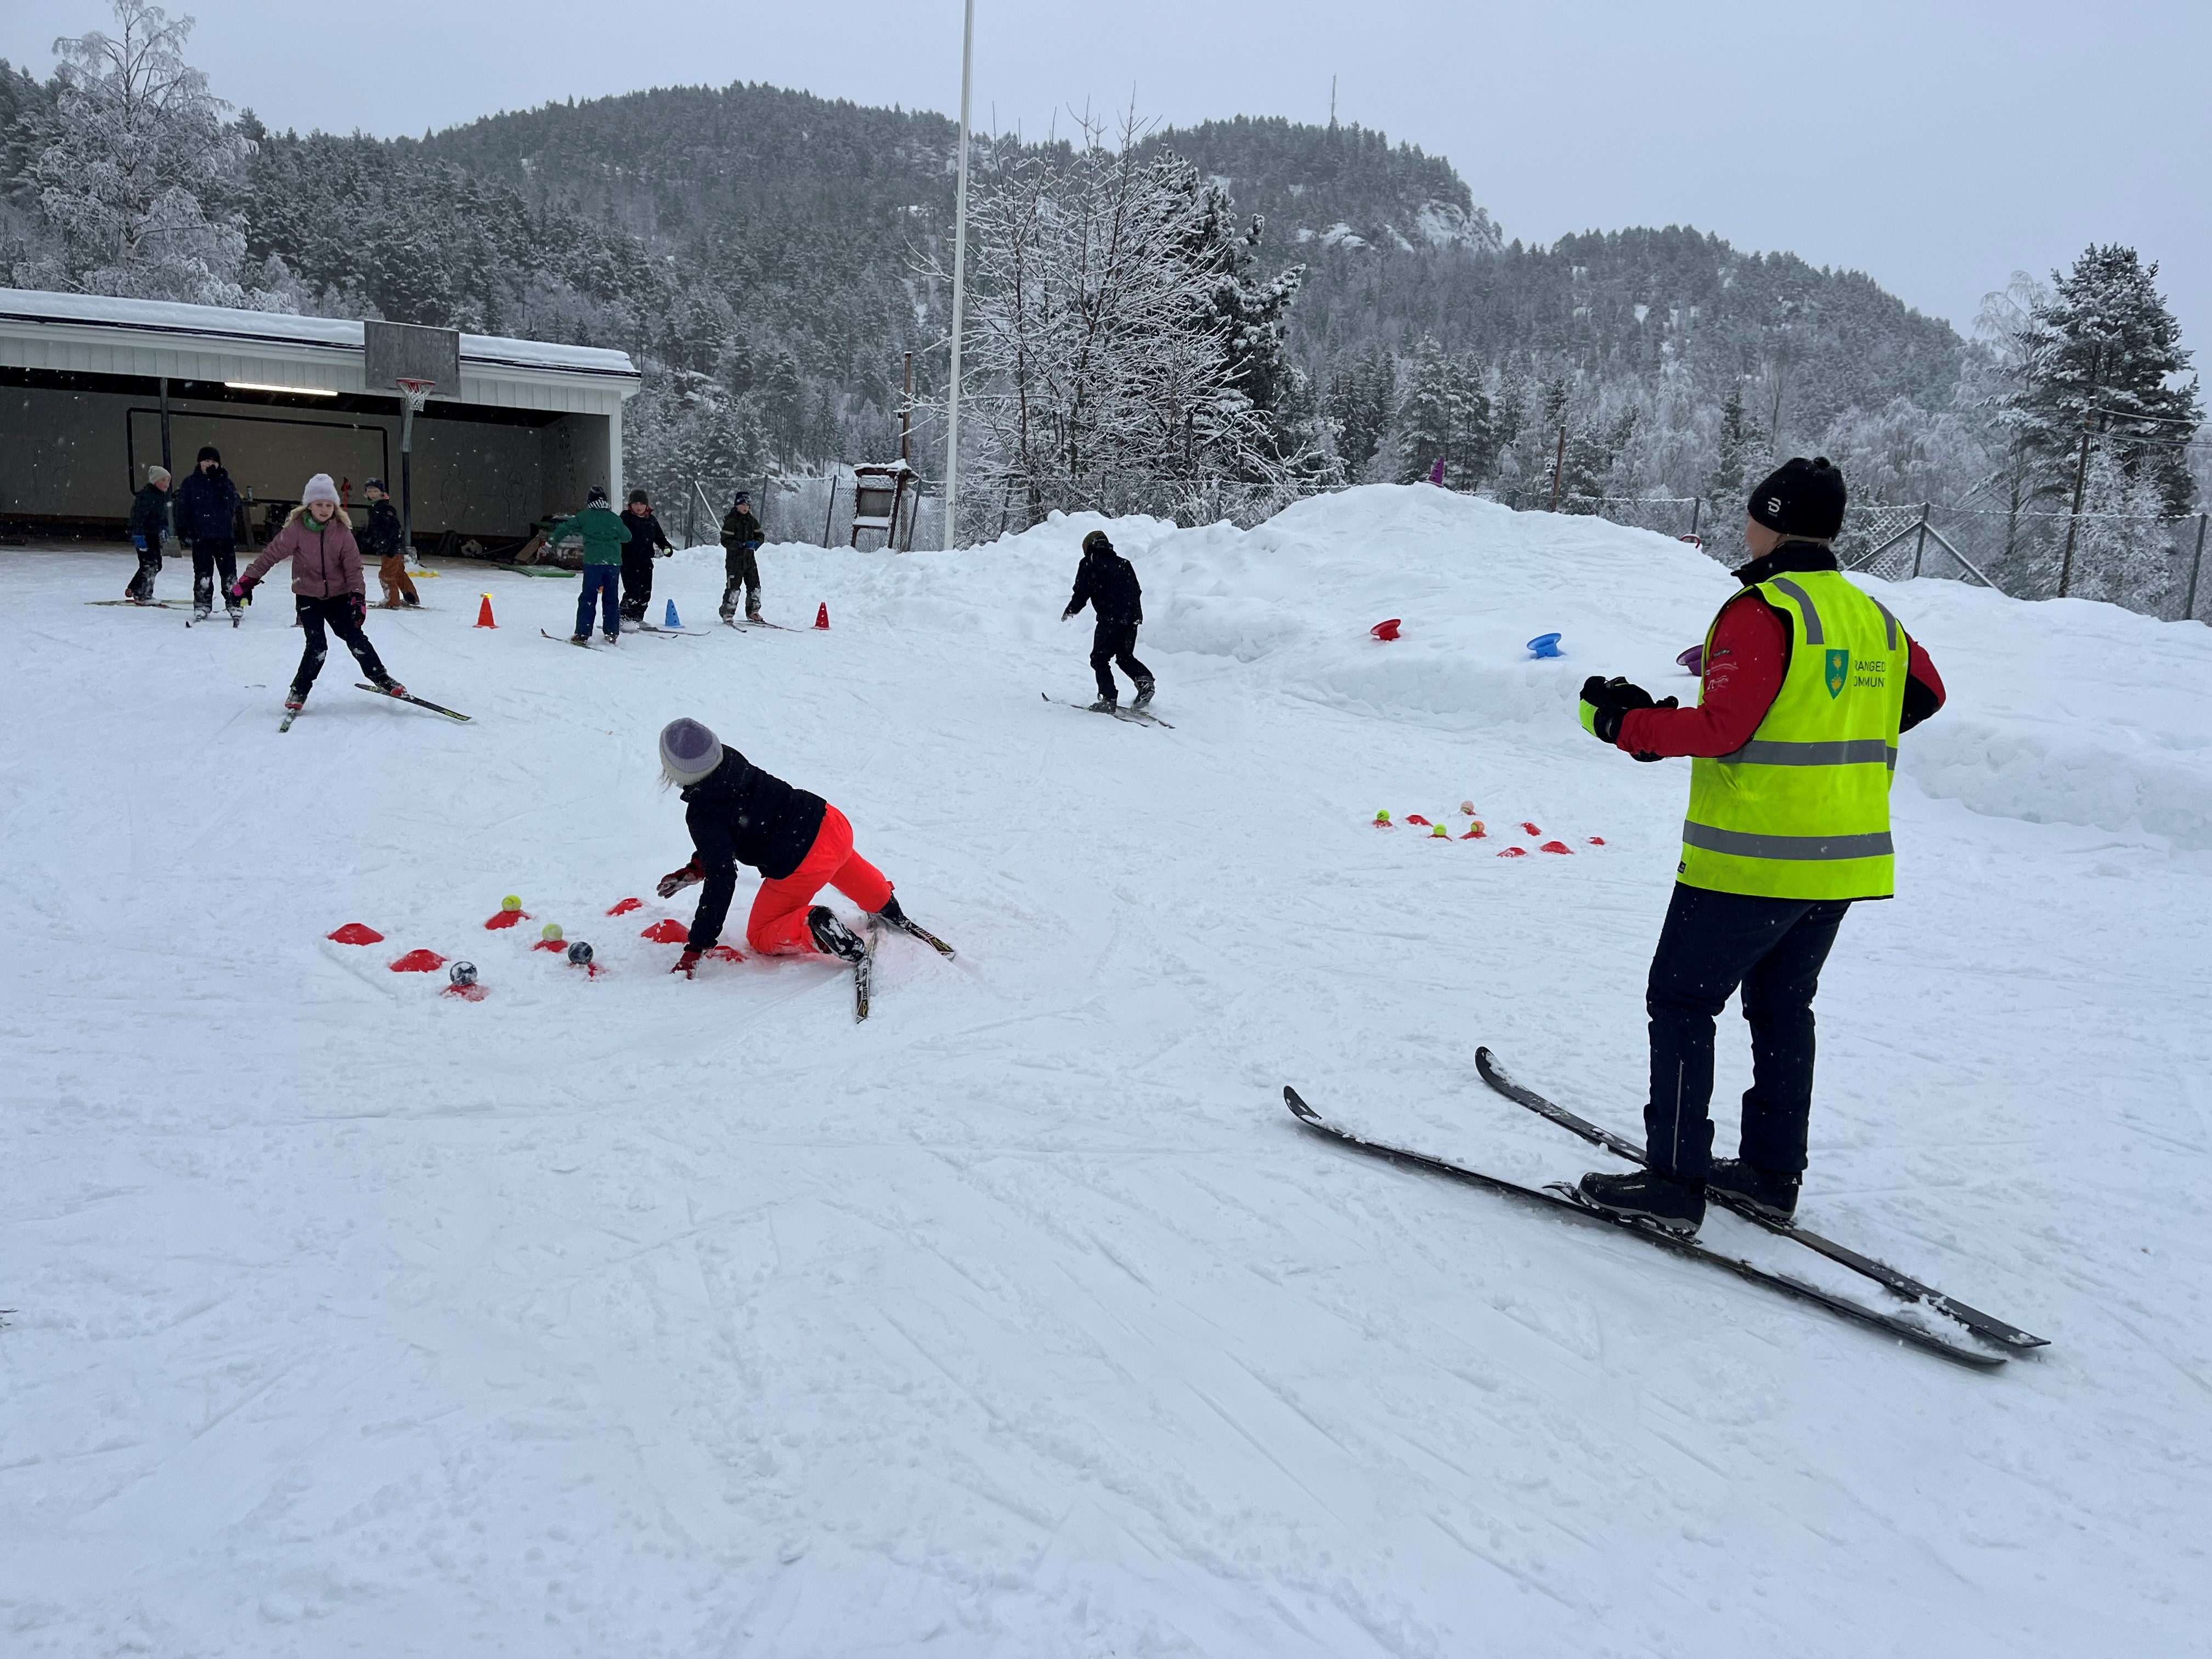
(1116, 643)
(210, 558)
(637, 585)
(1711, 944)
(140, 585)
(741, 571)
(338, 614)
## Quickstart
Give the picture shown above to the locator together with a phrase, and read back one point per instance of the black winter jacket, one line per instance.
(738, 814)
(207, 506)
(149, 516)
(1108, 582)
(645, 535)
(381, 537)
(740, 530)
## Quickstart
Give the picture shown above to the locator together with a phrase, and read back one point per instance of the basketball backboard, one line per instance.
(392, 352)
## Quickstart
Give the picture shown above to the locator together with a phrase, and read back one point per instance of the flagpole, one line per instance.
(959, 289)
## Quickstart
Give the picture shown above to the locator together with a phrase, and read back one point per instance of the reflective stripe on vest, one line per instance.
(1802, 810)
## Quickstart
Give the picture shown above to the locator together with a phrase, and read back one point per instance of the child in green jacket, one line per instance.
(604, 535)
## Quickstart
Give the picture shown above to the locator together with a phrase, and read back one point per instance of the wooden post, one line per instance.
(1696, 506)
(2188, 610)
(1921, 546)
(1558, 467)
(829, 517)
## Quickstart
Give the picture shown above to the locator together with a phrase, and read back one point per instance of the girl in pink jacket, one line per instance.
(327, 586)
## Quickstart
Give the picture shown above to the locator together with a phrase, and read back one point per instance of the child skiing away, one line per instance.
(741, 540)
(149, 528)
(738, 814)
(207, 521)
(382, 537)
(1107, 582)
(604, 538)
(328, 589)
(647, 541)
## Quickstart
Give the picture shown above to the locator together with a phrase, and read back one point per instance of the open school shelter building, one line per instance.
(93, 389)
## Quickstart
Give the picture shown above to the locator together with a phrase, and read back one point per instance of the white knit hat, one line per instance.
(157, 475)
(689, 751)
(319, 488)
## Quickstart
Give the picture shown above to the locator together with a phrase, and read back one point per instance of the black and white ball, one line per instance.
(579, 955)
(463, 974)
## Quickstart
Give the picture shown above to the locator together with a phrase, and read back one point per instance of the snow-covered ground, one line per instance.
(628, 1315)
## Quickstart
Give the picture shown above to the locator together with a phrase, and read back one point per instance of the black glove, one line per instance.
(357, 604)
(1609, 701)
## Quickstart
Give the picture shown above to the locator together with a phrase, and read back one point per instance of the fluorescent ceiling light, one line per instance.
(294, 390)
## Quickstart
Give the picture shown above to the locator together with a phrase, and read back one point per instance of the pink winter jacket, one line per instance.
(326, 559)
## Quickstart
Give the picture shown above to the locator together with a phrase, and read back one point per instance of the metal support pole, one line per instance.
(2188, 610)
(959, 289)
(1921, 546)
(1696, 506)
(1559, 469)
(407, 483)
(167, 466)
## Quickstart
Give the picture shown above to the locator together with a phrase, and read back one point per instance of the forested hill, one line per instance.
(765, 242)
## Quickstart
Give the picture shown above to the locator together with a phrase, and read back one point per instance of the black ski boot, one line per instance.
(1107, 706)
(1770, 1192)
(1645, 1195)
(891, 913)
(1143, 694)
(832, 938)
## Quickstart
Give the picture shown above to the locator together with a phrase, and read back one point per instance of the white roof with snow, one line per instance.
(92, 334)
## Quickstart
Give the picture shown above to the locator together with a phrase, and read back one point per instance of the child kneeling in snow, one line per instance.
(738, 814)
(327, 586)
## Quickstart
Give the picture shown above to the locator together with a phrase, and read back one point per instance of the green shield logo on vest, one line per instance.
(1839, 668)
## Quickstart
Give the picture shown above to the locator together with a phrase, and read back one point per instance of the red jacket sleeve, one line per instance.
(1743, 676)
(1923, 687)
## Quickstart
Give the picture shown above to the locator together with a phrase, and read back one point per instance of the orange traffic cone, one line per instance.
(822, 615)
(483, 614)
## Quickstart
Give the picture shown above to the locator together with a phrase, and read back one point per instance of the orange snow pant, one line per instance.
(399, 586)
(778, 923)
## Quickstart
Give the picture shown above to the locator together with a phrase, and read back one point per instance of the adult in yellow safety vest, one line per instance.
(1808, 681)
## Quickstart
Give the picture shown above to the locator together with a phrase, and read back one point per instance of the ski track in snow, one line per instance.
(634, 1315)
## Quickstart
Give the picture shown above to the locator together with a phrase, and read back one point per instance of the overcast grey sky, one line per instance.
(1938, 145)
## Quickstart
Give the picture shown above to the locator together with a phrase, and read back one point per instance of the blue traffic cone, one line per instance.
(672, 621)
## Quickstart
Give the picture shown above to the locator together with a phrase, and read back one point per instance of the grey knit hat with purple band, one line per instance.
(689, 751)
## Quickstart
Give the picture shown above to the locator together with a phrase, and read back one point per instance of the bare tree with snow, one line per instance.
(1105, 373)
(133, 142)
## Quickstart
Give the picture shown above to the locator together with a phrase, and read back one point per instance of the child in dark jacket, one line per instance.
(383, 538)
(1108, 583)
(738, 814)
(647, 541)
(149, 528)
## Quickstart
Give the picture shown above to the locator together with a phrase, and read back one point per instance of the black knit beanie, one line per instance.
(209, 452)
(1800, 498)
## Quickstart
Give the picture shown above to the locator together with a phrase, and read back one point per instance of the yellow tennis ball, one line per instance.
(510, 902)
(551, 930)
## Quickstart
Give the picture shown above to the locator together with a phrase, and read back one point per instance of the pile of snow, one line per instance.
(626, 1314)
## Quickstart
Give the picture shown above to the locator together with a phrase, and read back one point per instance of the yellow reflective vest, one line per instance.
(1802, 810)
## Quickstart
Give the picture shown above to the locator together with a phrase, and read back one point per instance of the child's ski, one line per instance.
(142, 604)
(1127, 716)
(409, 696)
(863, 972)
(563, 639)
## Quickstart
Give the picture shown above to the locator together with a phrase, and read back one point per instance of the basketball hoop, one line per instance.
(417, 392)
